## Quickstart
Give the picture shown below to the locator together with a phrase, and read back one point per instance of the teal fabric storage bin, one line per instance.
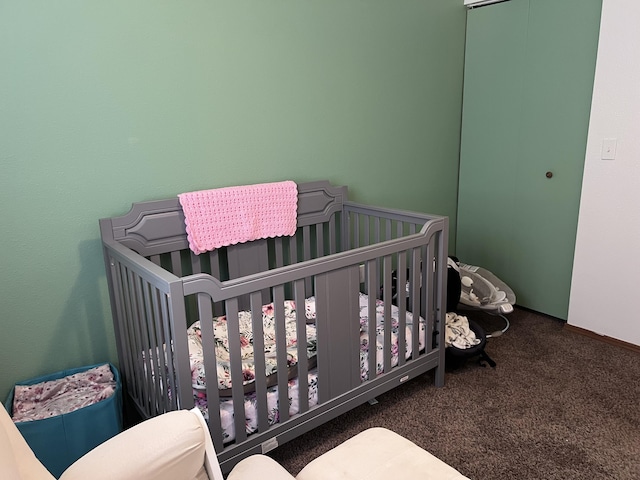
(60, 440)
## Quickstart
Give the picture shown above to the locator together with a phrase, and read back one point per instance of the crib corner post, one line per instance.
(439, 372)
(180, 358)
(441, 301)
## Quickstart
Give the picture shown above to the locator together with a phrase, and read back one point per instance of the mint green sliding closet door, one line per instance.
(529, 71)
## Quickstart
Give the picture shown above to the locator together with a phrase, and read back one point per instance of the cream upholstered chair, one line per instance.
(172, 446)
(374, 454)
(177, 446)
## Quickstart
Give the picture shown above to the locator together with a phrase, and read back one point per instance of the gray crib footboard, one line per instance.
(277, 299)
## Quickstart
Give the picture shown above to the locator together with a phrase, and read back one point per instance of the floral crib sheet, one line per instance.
(221, 341)
(250, 401)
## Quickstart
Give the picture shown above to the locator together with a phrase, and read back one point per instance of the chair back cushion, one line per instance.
(168, 447)
(17, 461)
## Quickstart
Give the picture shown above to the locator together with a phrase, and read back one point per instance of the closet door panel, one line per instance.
(559, 70)
(494, 76)
(525, 122)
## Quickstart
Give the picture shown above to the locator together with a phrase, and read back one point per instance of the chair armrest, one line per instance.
(169, 446)
(259, 466)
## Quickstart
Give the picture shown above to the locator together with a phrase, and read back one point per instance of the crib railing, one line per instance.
(150, 328)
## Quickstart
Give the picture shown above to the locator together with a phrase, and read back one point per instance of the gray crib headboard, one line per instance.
(157, 226)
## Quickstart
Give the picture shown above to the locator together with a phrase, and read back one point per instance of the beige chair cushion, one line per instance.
(170, 446)
(17, 460)
(378, 454)
(257, 467)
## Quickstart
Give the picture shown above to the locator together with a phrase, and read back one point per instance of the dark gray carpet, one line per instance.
(559, 405)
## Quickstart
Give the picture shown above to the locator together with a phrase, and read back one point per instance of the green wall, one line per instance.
(107, 103)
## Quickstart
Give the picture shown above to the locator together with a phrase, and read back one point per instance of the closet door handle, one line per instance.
(549, 174)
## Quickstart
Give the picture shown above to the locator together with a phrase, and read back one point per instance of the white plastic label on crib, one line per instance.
(269, 445)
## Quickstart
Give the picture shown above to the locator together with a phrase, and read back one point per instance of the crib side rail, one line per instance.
(148, 311)
(364, 225)
(382, 213)
(220, 291)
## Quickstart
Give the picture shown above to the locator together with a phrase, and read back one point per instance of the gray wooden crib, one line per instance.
(338, 265)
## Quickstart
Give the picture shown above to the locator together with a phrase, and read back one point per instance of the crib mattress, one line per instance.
(250, 400)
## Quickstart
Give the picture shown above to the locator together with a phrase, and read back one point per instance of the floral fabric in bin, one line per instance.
(67, 394)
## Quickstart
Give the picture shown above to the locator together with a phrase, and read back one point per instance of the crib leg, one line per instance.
(439, 375)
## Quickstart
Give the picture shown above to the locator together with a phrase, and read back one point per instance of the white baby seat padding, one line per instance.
(482, 290)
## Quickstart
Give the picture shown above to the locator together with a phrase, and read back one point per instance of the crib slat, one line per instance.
(306, 250)
(150, 355)
(144, 343)
(160, 371)
(176, 263)
(306, 242)
(301, 331)
(366, 221)
(135, 336)
(320, 240)
(214, 270)
(127, 362)
(154, 349)
(372, 325)
(332, 235)
(260, 361)
(281, 353)
(237, 390)
(279, 251)
(214, 261)
(428, 274)
(415, 302)
(401, 288)
(205, 312)
(293, 250)
(376, 239)
(196, 263)
(354, 229)
(142, 367)
(388, 321)
(171, 385)
(127, 324)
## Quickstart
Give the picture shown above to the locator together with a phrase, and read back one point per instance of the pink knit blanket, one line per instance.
(226, 216)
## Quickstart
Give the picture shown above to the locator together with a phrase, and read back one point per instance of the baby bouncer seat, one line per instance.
(473, 288)
(482, 290)
(468, 288)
